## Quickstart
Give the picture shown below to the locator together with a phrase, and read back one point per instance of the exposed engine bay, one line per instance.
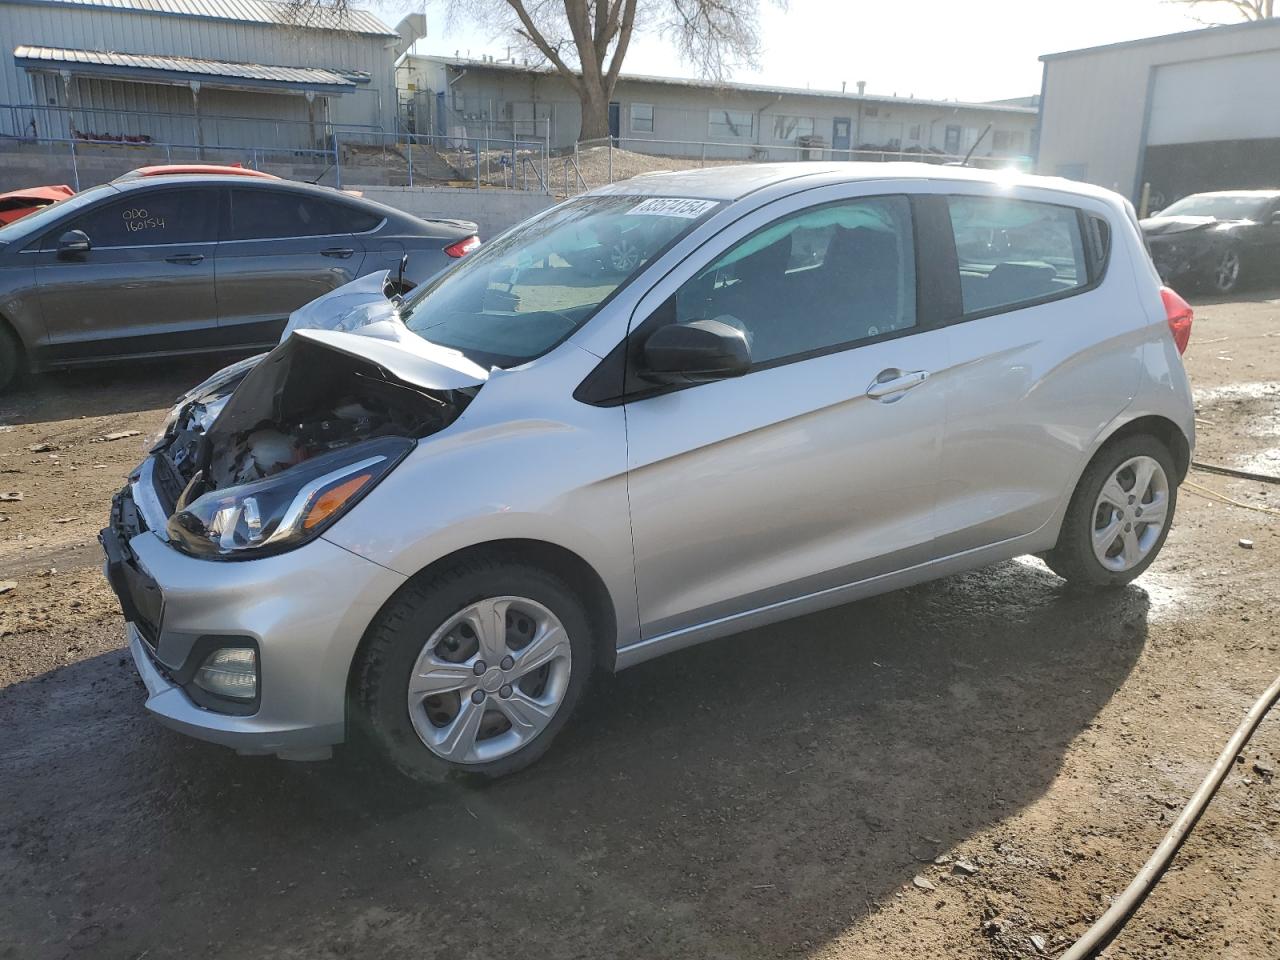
(301, 401)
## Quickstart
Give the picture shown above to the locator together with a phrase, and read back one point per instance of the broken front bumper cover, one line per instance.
(303, 611)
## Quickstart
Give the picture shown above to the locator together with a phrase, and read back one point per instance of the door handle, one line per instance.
(340, 252)
(185, 258)
(891, 384)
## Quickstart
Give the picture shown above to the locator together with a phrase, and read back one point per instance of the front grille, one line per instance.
(140, 598)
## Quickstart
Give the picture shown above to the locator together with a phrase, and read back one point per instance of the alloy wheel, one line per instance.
(1130, 513)
(1227, 272)
(489, 680)
(624, 256)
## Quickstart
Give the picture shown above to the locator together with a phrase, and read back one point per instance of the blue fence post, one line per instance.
(409, 137)
(337, 162)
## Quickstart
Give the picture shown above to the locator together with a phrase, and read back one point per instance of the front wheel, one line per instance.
(1224, 275)
(473, 670)
(1119, 515)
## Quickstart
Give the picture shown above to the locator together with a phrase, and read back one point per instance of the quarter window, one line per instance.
(829, 276)
(642, 118)
(731, 124)
(275, 214)
(1015, 251)
(152, 217)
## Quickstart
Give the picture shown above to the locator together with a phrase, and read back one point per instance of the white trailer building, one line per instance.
(477, 98)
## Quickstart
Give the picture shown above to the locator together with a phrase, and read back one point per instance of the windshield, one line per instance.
(1217, 206)
(516, 298)
(34, 223)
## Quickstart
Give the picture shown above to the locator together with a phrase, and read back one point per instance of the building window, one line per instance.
(731, 124)
(951, 142)
(870, 111)
(788, 129)
(914, 132)
(642, 118)
(1007, 141)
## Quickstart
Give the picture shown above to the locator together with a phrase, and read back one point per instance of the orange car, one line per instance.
(222, 169)
(18, 203)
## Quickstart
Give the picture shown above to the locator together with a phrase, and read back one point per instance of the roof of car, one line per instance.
(735, 181)
(1247, 194)
(197, 169)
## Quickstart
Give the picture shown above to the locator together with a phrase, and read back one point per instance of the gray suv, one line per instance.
(166, 265)
(815, 383)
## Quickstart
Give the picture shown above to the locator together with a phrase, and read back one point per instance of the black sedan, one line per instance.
(1216, 241)
(177, 264)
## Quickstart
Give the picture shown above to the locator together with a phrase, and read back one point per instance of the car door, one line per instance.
(145, 283)
(1047, 352)
(817, 468)
(281, 249)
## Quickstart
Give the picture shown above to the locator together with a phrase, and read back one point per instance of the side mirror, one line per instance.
(73, 243)
(695, 352)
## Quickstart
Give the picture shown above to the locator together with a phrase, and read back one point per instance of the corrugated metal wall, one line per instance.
(134, 32)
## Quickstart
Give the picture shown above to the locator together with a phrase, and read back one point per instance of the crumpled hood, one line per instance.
(349, 307)
(404, 354)
(1168, 226)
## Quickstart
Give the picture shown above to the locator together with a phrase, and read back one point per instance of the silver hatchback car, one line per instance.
(661, 412)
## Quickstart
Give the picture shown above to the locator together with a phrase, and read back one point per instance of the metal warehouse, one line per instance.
(1184, 113)
(192, 72)
(462, 97)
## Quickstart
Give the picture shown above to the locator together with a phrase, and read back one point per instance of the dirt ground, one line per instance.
(802, 790)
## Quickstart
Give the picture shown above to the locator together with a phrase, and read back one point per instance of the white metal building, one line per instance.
(225, 72)
(460, 97)
(1186, 112)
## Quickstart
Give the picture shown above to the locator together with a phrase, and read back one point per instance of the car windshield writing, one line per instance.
(1220, 208)
(519, 296)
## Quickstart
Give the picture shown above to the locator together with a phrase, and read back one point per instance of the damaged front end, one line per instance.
(268, 454)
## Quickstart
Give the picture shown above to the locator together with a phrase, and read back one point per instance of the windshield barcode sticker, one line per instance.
(672, 207)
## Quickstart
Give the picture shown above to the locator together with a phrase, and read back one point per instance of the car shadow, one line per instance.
(753, 796)
(107, 390)
(1254, 293)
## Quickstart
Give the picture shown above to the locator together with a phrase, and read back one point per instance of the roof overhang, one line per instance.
(161, 68)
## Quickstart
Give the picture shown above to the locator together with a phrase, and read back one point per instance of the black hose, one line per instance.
(1233, 472)
(1107, 926)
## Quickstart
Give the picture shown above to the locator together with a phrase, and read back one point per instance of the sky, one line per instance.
(937, 49)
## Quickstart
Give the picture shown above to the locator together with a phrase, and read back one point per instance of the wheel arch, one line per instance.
(1162, 429)
(24, 354)
(579, 574)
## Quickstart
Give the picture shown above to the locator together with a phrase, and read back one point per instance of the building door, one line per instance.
(615, 119)
(840, 133)
(951, 144)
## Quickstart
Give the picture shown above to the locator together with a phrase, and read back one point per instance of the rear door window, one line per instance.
(178, 216)
(1016, 252)
(264, 214)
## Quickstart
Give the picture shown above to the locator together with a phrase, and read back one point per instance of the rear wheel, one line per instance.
(1119, 515)
(474, 670)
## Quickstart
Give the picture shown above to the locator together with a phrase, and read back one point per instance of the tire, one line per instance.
(1075, 558)
(10, 358)
(413, 637)
(1224, 276)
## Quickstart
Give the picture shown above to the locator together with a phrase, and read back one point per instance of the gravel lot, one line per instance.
(799, 790)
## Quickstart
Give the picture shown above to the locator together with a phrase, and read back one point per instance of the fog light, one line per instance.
(230, 672)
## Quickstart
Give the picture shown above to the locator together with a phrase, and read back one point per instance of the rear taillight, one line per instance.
(462, 247)
(1179, 314)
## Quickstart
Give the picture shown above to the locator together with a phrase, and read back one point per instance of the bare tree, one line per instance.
(586, 41)
(1247, 9)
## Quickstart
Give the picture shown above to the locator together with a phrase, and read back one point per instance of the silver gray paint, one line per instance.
(728, 505)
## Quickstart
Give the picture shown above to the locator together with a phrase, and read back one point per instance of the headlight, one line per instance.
(286, 510)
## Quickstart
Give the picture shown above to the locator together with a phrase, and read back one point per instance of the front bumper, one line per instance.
(305, 610)
(1174, 260)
